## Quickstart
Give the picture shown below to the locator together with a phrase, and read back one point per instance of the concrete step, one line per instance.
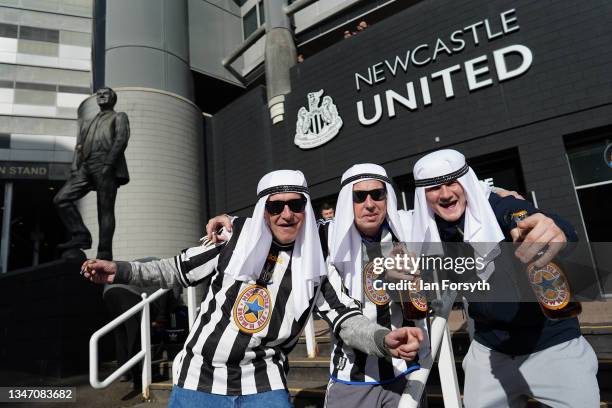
(307, 369)
(307, 379)
(324, 346)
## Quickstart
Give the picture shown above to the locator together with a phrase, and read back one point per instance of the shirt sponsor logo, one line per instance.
(317, 124)
(252, 309)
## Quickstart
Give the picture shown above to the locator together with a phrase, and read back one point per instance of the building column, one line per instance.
(280, 56)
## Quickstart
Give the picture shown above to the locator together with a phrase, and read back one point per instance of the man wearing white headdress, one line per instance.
(366, 213)
(263, 283)
(517, 352)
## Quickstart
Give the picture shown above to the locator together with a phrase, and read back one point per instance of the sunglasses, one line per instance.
(378, 194)
(296, 205)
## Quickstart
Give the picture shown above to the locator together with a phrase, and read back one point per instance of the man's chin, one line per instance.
(450, 216)
(286, 238)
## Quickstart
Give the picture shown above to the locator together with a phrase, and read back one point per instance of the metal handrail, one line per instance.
(145, 341)
(440, 341)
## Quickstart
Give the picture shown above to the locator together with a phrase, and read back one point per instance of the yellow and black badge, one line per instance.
(550, 285)
(253, 309)
(378, 297)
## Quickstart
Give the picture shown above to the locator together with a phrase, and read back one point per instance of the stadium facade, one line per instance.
(216, 98)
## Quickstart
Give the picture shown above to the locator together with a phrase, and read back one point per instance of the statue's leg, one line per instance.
(75, 188)
(107, 193)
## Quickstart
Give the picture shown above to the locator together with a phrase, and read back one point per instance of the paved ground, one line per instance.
(119, 395)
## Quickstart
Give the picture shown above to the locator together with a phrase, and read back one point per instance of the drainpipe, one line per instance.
(280, 56)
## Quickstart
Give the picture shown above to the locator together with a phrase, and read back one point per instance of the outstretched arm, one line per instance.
(371, 338)
(186, 269)
(348, 323)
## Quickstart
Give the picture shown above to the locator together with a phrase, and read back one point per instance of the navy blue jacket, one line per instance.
(514, 328)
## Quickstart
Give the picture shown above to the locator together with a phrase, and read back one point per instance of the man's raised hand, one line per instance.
(541, 239)
(215, 224)
(99, 271)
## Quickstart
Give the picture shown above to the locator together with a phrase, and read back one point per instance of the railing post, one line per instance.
(145, 339)
(191, 305)
(311, 342)
(451, 394)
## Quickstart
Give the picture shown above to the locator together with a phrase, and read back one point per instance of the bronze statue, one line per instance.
(98, 165)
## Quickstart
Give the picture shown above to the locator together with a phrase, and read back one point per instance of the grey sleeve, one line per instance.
(186, 269)
(162, 273)
(360, 333)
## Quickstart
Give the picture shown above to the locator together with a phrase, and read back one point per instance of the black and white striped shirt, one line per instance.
(244, 331)
(351, 366)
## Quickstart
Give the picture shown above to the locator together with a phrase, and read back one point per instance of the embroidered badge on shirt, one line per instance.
(378, 297)
(253, 309)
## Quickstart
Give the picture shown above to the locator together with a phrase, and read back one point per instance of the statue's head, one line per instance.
(106, 97)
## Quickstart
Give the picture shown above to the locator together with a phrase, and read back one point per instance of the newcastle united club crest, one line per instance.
(253, 309)
(319, 123)
(378, 297)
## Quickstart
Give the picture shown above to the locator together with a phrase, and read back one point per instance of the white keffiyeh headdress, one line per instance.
(344, 238)
(253, 246)
(480, 228)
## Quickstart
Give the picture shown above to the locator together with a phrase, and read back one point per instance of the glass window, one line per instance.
(8, 30)
(24, 73)
(78, 7)
(38, 48)
(31, 97)
(75, 38)
(5, 141)
(35, 86)
(262, 15)
(74, 89)
(249, 22)
(36, 229)
(7, 72)
(6, 84)
(39, 34)
(588, 163)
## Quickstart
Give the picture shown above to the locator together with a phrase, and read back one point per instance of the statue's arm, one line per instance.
(77, 146)
(122, 134)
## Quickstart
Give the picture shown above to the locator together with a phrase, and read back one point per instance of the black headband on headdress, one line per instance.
(365, 176)
(434, 181)
(282, 189)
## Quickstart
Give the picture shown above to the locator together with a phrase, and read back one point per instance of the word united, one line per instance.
(509, 62)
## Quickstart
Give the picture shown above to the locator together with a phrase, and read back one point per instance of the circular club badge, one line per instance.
(378, 297)
(253, 309)
(418, 299)
(550, 285)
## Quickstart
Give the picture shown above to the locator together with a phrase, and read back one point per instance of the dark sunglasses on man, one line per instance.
(296, 205)
(377, 194)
